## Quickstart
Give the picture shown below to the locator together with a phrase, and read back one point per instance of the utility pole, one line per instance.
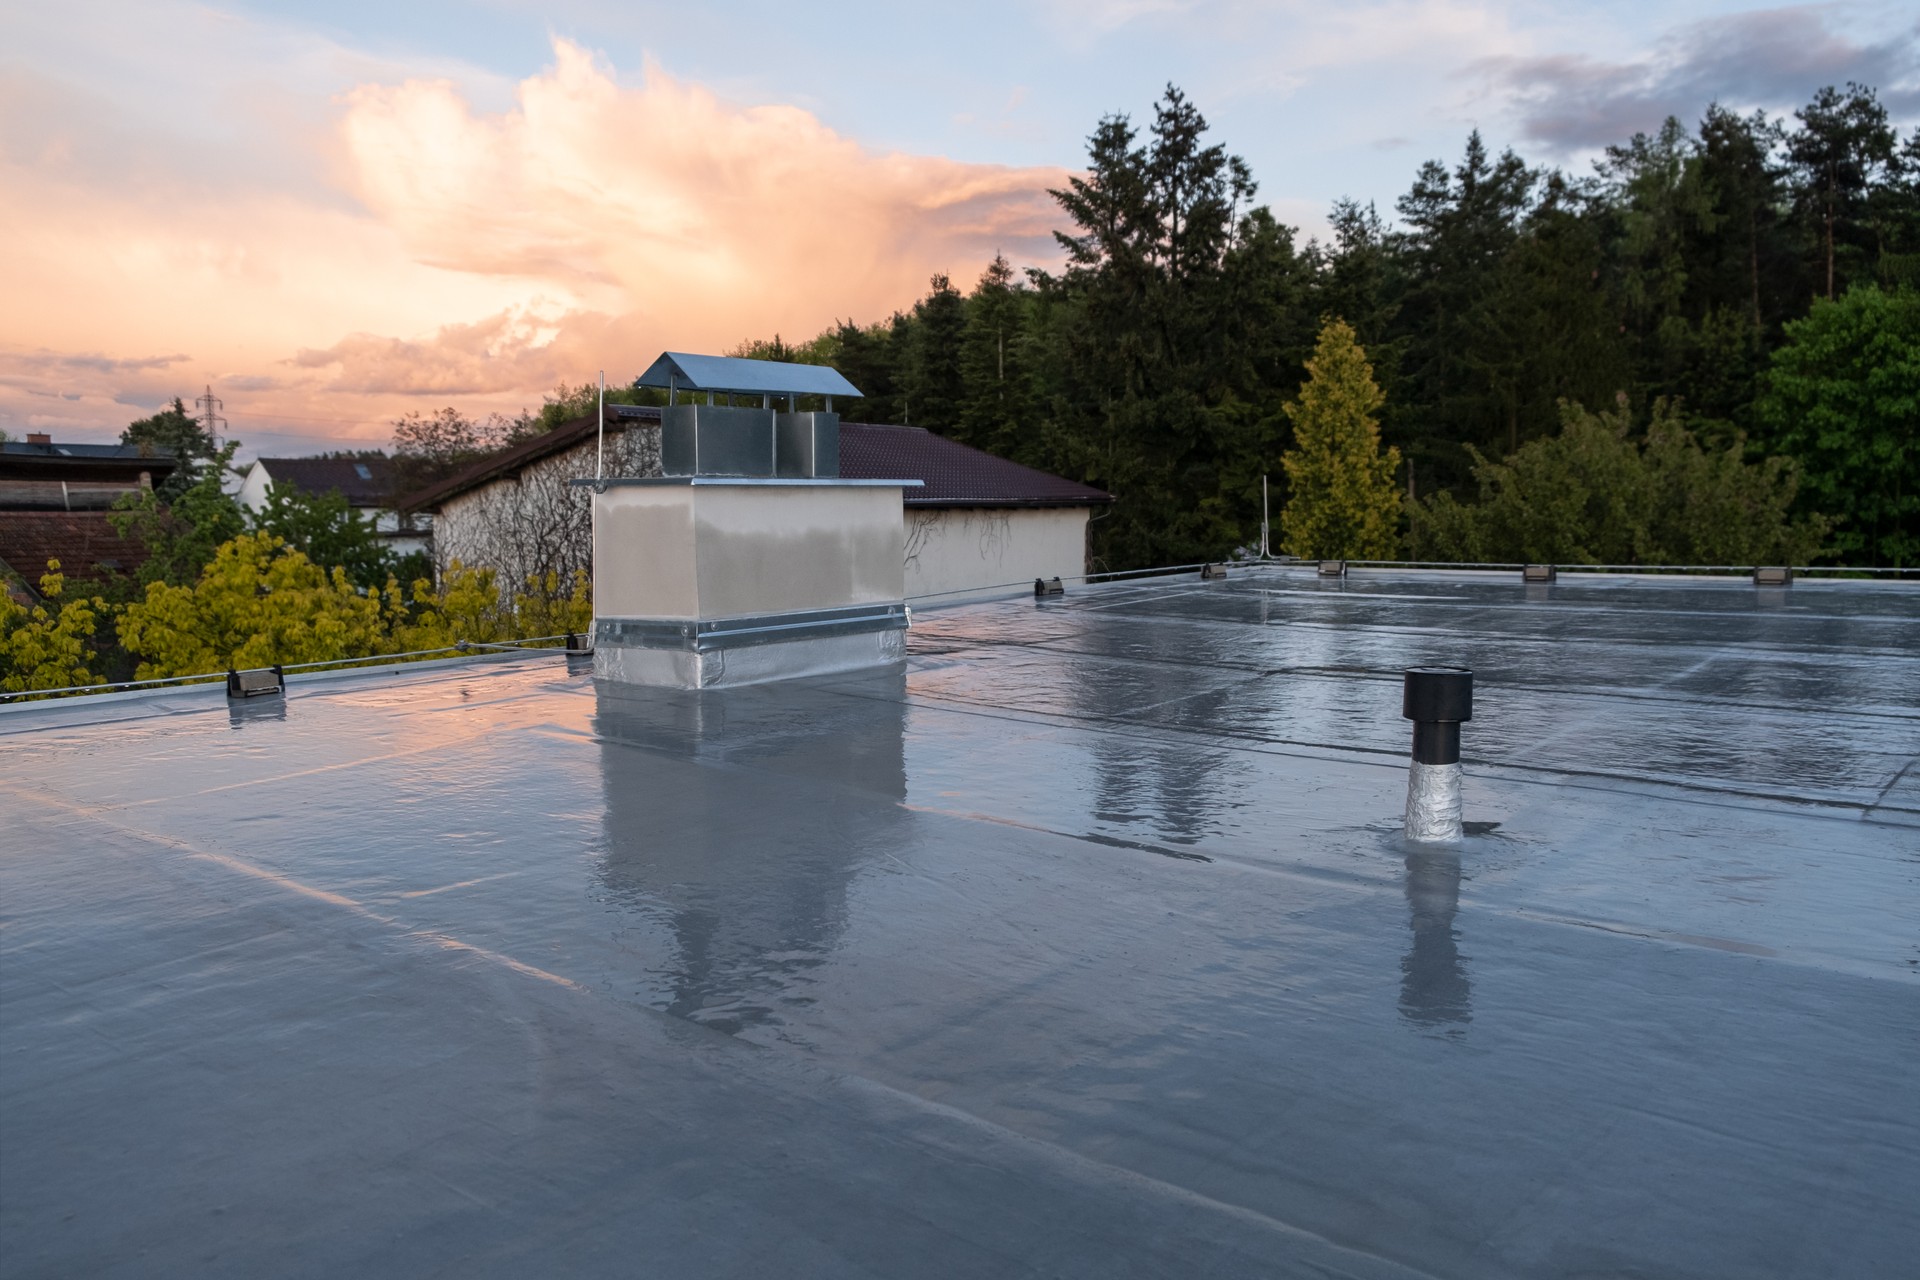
(209, 406)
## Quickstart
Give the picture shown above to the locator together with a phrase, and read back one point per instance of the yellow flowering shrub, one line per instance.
(47, 645)
(258, 603)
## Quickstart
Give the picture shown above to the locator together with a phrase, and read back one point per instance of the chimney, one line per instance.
(750, 559)
(39, 437)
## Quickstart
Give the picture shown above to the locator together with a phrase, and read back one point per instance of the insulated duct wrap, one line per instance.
(1433, 802)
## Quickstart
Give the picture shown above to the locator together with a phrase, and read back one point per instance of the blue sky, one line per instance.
(1324, 99)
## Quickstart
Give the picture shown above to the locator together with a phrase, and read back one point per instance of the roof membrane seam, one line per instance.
(1228, 740)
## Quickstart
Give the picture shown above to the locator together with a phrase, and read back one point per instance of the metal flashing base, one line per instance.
(711, 653)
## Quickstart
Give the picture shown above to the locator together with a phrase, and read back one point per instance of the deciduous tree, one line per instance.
(326, 529)
(1843, 397)
(48, 645)
(182, 534)
(173, 431)
(258, 603)
(1595, 494)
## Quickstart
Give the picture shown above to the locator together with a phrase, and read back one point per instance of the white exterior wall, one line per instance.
(537, 521)
(952, 552)
(253, 489)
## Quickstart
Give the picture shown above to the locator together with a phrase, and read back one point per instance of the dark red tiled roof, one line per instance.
(953, 474)
(82, 541)
(363, 482)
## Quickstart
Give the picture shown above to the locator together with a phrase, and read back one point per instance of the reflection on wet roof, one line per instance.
(1087, 946)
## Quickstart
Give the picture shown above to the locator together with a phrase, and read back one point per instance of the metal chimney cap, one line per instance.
(743, 376)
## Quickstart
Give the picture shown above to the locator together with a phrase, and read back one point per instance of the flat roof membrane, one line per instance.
(1088, 946)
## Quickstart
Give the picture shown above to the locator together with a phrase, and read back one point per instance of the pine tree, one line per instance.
(1343, 502)
(933, 383)
(1840, 153)
(993, 361)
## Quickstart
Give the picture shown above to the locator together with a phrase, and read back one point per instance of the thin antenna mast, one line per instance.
(600, 457)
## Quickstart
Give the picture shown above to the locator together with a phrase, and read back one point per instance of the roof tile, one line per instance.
(83, 542)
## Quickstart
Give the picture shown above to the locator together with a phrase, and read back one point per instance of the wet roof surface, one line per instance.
(1088, 947)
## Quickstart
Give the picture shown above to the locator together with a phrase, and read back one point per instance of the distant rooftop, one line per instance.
(85, 543)
(1086, 947)
(753, 377)
(364, 482)
(953, 474)
(23, 450)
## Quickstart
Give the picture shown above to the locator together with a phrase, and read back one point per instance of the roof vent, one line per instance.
(257, 683)
(1773, 576)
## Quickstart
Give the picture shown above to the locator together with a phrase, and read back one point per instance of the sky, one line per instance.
(335, 214)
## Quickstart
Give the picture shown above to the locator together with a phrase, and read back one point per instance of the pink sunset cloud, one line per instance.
(434, 252)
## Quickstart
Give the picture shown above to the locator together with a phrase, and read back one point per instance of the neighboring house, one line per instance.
(54, 500)
(517, 511)
(977, 523)
(38, 475)
(365, 482)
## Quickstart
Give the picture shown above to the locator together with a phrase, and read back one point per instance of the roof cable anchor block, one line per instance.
(1776, 575)
(579, 643)
(1043, 587)
(260, 682)
(1332, 569)
(1212, 572)
(1539, 573)
(1438, 700)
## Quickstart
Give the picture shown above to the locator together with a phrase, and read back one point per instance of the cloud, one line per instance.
(1773, 59)
(39, 363)
(430, 242)
(664, 197)
(501, 353)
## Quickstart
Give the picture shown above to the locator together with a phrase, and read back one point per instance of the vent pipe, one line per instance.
(1438, 700)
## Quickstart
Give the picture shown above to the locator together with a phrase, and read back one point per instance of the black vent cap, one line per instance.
(1438, 695)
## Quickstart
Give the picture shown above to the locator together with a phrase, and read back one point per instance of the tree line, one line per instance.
(1748, 283)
